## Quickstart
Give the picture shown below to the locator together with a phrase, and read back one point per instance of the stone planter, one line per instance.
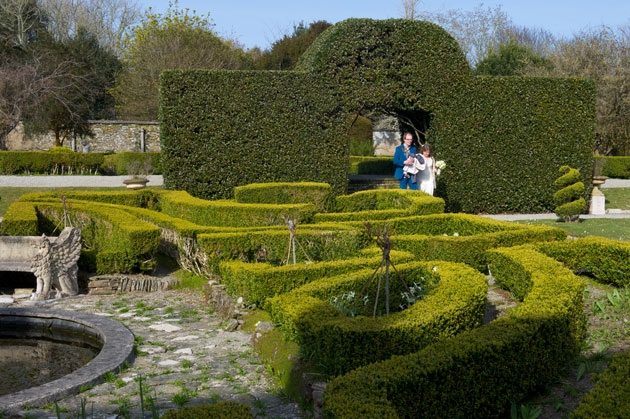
(136, 183)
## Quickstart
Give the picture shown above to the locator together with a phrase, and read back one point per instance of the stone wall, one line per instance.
(113, 136)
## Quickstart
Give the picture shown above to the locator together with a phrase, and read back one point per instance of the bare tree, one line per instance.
(18, 21)
(26, 86)
(108, 20)
(411, 9)
(477, 31)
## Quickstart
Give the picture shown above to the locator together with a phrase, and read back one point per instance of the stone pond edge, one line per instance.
(118, 348)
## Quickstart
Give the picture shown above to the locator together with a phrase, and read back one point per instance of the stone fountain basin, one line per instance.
(117, 348)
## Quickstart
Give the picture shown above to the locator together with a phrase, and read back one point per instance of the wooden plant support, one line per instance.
(382, 236)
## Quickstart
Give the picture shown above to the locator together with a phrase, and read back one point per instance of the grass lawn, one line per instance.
(612, 228)
(9, 195)
(617, 198)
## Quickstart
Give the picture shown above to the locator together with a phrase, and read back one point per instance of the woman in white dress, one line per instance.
(426, 177)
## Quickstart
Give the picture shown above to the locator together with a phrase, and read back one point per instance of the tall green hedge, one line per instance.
(221, 129)
(502, 138)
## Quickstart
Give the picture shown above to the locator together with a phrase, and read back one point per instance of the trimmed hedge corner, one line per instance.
(607, 260)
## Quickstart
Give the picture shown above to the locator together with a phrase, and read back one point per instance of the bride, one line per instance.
(426, 177)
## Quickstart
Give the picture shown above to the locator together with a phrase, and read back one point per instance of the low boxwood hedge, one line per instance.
(319, 194)
(113, 240)
(339, 344)
(272, 245)
(364, 165)
(20, 220)
(471, 249)
(118, 163)
(479, 372)
(146, 198)
(605, 259)
(610, 398)
(50, 163)
(382, 204)
(225, 212)
(616, 166)
(256, 282)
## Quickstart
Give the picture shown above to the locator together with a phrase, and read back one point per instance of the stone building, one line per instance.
(109, 136)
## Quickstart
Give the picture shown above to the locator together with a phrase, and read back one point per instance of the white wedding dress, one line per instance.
(426, 177)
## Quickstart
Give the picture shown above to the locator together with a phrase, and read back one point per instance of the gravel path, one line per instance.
(61, 181)
(185, 355)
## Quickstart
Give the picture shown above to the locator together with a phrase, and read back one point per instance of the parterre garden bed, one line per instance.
(432, 359)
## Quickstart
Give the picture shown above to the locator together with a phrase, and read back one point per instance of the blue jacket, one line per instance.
(399, 159)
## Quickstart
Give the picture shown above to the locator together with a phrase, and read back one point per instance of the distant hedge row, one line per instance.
(616, 166)
(221, 129)
(70, 163)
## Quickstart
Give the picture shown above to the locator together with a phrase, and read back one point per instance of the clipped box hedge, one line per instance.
(113, 240)
(616, 166)
(339, 344)
(477, 373)
(366, 165)
(221, 129)
(382, 204)
(272, 245)
(146, 198)
(319, 194)
(607, 260)
(610, 398)
(256, 282)
(229, 213)
(118, 163)
(50, 163)
(20, 220)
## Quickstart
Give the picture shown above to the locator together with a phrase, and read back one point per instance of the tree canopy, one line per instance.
(178, 39)
(285, 52)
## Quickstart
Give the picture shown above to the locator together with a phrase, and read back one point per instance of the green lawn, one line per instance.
(612, 228)
(617, 198)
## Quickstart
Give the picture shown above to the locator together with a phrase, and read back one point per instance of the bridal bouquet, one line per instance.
(440, 165)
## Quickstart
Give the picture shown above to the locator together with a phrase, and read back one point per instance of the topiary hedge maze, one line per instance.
(432, 359)
(501, 137)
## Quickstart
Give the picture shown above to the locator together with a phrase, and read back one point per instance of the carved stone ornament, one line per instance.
(55, 265)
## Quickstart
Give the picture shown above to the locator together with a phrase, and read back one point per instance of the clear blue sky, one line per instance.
(260, 22)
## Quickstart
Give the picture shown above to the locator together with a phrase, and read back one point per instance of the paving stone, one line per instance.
(184, 338)
(165, 327)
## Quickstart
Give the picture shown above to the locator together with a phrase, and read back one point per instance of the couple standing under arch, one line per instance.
(415, 170)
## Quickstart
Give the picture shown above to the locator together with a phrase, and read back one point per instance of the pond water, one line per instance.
(28, 362)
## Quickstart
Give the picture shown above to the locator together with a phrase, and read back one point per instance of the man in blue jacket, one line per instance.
(404, 156)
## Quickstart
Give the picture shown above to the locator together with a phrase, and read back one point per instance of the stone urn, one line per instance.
(136, 183)
(598, 200)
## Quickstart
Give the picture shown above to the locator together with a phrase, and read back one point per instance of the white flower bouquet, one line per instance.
(440, 165)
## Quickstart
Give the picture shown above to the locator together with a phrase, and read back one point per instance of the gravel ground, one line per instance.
(185, 356)
(61, 181)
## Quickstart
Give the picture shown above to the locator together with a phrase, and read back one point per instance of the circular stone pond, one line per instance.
(32, 332)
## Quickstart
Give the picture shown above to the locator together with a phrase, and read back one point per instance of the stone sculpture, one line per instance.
(55, 265)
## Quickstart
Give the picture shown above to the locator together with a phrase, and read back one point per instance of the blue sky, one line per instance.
(260, 22)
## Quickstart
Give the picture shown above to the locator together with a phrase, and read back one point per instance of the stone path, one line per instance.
(67, 181)
(184, 356)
